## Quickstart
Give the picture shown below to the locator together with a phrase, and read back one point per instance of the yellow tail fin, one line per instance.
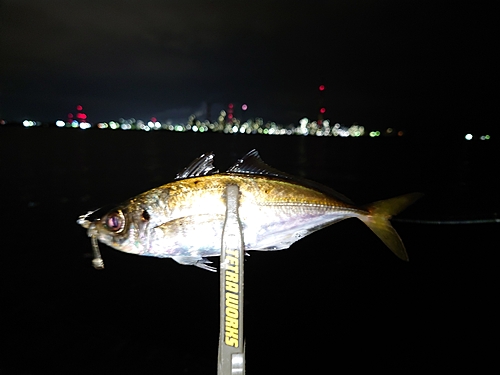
(378, 221)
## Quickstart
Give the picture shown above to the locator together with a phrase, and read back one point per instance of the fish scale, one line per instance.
(183, 219)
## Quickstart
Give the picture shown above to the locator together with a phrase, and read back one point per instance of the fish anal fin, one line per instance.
(195, 261)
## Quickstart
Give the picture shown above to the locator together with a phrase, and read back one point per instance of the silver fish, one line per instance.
(183, 220)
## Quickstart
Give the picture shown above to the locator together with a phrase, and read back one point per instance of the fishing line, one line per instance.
(447, 222)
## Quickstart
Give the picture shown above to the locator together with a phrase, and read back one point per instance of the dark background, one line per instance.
(336, 301)
(426, 66)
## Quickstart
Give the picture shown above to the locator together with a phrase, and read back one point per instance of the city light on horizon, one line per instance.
(228, 125)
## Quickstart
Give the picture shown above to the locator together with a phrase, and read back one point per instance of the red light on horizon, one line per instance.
(230, 105)
(321, 87)
(323, 110)
(153, 119)
(79, 107)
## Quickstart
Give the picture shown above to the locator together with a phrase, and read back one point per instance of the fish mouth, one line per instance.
(92, 232)
(84, 221)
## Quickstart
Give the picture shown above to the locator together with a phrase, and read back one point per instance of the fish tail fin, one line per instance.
(378, 220)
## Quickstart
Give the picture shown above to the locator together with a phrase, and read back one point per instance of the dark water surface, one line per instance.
(336, 301)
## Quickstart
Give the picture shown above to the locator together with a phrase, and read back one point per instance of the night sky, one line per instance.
(421, 64)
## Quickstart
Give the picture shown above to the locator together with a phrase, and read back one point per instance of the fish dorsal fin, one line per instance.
(251, 163)
(201, 166)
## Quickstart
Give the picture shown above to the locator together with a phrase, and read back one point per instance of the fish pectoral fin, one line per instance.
(195, 261)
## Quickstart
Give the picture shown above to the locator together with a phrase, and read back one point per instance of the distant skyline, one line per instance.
(382, 62)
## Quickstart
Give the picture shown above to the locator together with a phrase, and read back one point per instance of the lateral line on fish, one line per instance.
(181, 219)
(305, 204)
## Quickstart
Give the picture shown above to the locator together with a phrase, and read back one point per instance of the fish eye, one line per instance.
(115, 221)
(145, 215)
